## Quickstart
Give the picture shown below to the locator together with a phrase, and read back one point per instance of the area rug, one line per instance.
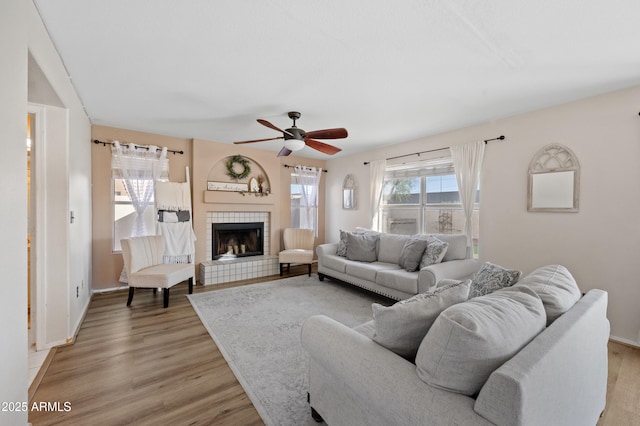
(257, 329)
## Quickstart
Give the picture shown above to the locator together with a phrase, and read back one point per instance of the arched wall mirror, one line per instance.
(554, 180)
(350, 193)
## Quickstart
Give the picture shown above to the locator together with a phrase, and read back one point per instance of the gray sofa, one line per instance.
(559, 377)
(384, 276)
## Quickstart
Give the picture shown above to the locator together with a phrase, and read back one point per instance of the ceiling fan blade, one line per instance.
(337, 133)
(322, 147)
(260, 140)
(284, 152)
(271, 126)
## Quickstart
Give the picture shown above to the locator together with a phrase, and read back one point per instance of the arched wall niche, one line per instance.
(239, 173)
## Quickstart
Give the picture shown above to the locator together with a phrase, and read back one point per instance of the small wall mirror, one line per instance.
(554, 180)
(350, 193)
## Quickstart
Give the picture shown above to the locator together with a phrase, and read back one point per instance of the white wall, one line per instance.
(21, 31)
(73, 169)
(13, 215)
(599, 244)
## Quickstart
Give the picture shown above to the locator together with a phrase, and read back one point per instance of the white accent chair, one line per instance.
(144, 267)
(298, 247)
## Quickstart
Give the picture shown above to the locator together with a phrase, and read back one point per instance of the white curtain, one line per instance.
(467, 161)
(376, 171)
(309, 180)
(139, 168)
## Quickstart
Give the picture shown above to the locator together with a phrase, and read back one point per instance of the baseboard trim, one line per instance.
(41, 372)
(109, 290)
(625, 341)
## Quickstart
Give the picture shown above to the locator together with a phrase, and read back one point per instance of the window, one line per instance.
(134, 168)
(301, 216)
(124, 213)
(424, 198)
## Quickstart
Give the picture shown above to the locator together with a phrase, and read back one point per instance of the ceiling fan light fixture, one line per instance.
(294, 144)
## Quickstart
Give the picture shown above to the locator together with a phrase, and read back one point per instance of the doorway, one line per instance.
(37, 351)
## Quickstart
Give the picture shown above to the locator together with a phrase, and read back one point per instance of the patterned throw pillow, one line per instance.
(436, 249)
(342, 244)
(492, 277)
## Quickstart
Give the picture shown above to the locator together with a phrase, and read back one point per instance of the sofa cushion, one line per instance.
(457, 246)
(469, 340)
(398, 279)
(434, 253)
(337, 263)
(412, 253)
(556, 287)
(390, 247)
(492, 277)
(402, 326)
(368, 271)
(361, 247)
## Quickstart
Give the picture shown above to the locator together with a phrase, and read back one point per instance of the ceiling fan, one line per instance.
(296, 138)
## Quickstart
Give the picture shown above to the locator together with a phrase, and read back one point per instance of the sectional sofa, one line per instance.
(527, 355)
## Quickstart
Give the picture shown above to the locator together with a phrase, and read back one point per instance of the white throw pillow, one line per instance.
(402, 326)
(469, 340)
(556, 287)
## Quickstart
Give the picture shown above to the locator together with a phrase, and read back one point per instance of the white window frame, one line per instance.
(420, 210)
(300, 208)
(150, 221)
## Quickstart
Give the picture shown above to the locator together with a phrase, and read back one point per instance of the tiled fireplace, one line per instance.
(227, 262)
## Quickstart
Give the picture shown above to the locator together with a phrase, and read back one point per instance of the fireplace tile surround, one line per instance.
(235, 269)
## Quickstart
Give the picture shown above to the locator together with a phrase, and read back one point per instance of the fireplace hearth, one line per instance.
(231, 240)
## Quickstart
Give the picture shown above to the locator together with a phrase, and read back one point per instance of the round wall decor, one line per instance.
(233, 170)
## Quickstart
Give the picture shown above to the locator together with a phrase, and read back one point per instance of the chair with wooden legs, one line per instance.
(298, 247)
(144, 267)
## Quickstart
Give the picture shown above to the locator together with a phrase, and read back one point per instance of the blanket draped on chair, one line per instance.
(179, 236)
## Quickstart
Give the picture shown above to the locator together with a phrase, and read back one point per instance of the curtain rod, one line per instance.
(291, 167)
(501, 137)
(96, 141)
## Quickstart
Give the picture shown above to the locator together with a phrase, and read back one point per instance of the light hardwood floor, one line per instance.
(146, 365)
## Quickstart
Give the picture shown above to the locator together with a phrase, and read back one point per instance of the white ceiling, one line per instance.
(388, 71)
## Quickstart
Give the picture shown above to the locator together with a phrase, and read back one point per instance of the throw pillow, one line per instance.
(447, 281)
(341, 250)
(402, 326)
(469, 340)
(435, 252)
(342, 244)
(556, 287)
(362, 247)
(411, 254)
(492, 277)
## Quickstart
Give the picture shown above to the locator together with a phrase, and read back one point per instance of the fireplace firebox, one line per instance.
(237, 239)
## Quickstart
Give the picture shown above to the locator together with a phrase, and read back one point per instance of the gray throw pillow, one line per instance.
(435, 252)
(402, 326)
(362, 247)
(412, 253)
(469, 340)
(341, 250)
(556, 287)
(492, 277)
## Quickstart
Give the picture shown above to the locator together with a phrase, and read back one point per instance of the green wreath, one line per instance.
(238, 159)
